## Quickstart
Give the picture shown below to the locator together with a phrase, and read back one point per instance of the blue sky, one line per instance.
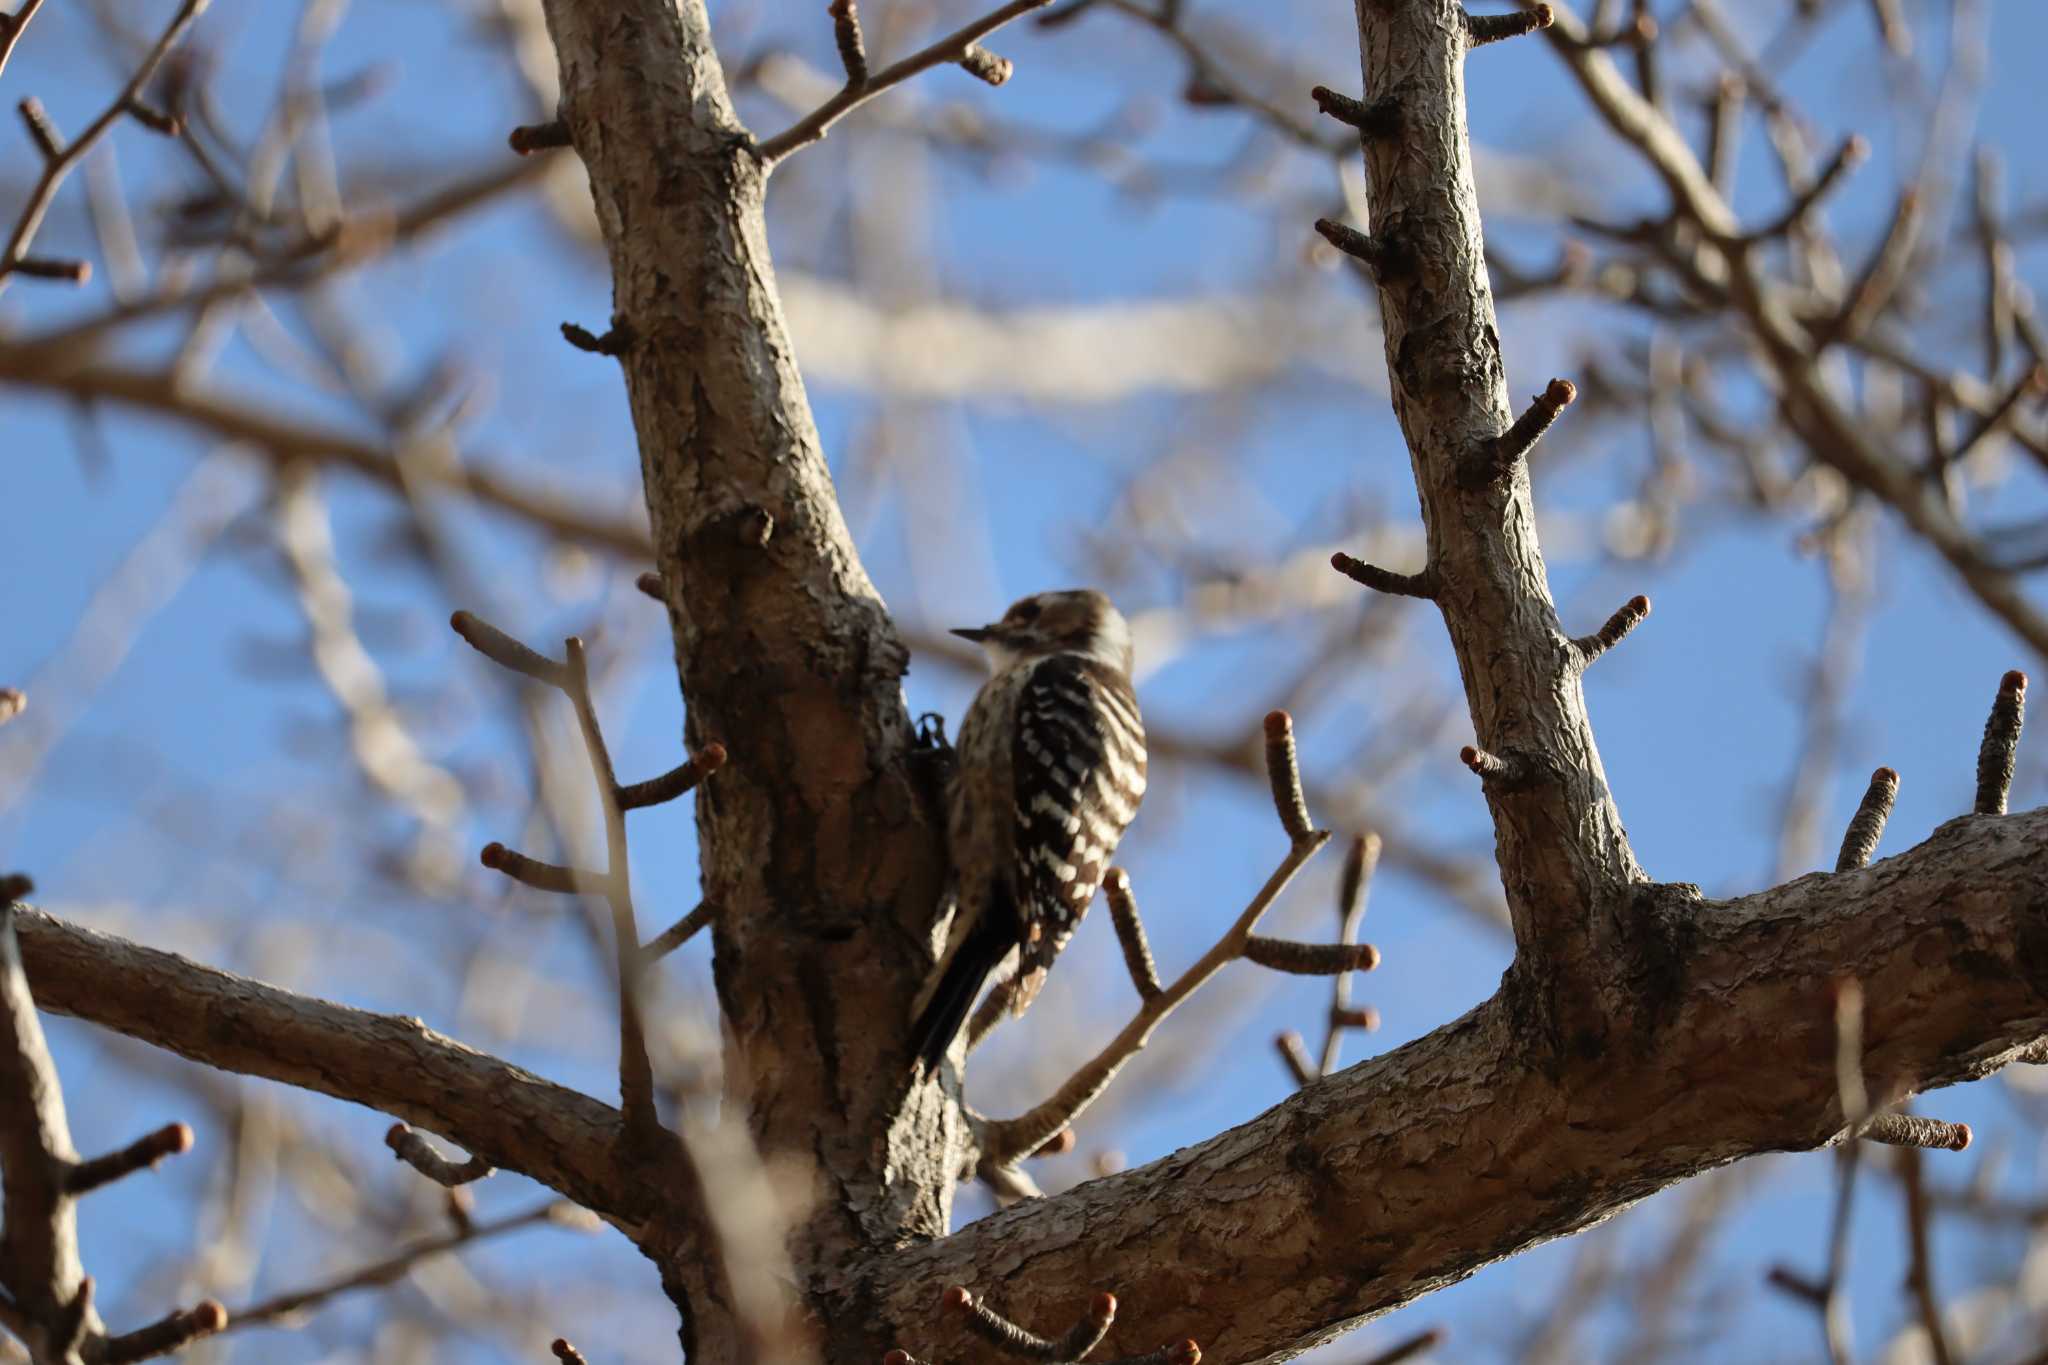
(170, 788)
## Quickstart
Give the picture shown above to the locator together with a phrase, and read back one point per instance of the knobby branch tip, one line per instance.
(1999, 751)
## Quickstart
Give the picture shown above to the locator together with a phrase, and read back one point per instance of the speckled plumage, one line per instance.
(1051, 768)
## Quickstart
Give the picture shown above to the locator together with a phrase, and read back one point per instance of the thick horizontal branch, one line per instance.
(1418, 1167)
(508, 1117)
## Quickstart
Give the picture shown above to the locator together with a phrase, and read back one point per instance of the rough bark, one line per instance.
(818, 842)
(509, 1117)
(1564, 856)
(1395, 1177)
(1412, 1170)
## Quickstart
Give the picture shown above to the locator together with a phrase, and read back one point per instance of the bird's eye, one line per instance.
(1025, 612)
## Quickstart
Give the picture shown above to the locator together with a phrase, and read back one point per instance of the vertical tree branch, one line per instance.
(822, 850)
(1562, 850)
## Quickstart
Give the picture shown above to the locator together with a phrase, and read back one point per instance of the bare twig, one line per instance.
(57, 165)
(393, 1268)
(2029, 385)
(1995, 756)
(1499, 457)
(416, 1152)
(1385, 580)
(506, 652)
(1911, 1130)
(677, 934)
(1889, 264)
(950, 49)
(1383, 256)
(284, 439)
(1408, 1349)
(1130, 933)
(47, 1298)
(173, 1139)
(1007, 1139)
(572, 678)
(12, 26)
(1283, 772)
(541, 876)
(675, 781)
(1481, 29)
(167, 1335)
(1920, 1266)
(1372, 118)
(1631, 614)
(45, 1277)
(1294, 1056)
(529, 138)
(853, 48)
(1509, 771)
(1011, 1339)
(1852, 152)
(1866, 827)
(1360, 862)
(383, 747)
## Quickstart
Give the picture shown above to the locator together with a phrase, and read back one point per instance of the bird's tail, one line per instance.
(978, 954)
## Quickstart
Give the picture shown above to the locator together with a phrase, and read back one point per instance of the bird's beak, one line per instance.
(978, 634)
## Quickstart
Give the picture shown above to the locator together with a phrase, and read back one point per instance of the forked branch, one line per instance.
(59, 157)
(1006, 1140)
(571, 677)
(46, 1298)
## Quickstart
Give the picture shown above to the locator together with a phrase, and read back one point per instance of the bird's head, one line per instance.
(1075, 621)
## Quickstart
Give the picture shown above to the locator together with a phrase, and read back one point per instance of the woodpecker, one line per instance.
(1050, 770)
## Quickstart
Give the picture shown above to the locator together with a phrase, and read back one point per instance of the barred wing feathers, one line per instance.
(1077, 774)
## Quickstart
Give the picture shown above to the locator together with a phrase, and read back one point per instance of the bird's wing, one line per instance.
(1077, 774)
